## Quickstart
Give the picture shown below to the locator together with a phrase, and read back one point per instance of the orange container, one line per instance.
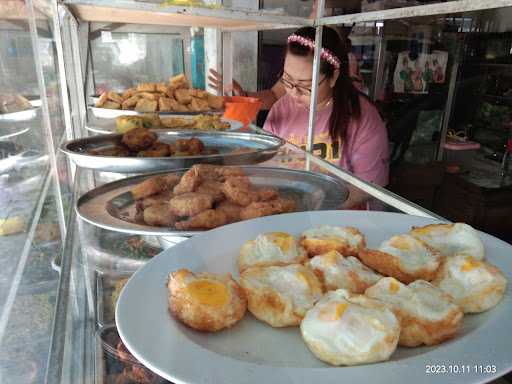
(243, 109)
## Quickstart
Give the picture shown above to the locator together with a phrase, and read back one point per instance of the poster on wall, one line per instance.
(415, 76)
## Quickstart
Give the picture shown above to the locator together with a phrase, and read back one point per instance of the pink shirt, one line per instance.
(364, 151)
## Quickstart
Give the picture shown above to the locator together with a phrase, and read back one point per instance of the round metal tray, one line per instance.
(261, 148)
(108, 206)
(25, 115)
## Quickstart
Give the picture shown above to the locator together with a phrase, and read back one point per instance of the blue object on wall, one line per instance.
(197, 61)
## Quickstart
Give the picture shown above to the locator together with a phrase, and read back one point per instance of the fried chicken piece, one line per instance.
(259, 209)
(150, 186)
(139, 138)
(231, 210)
(211, 218)
(238, 190)
(195, 146)
(158, 149)
(224, 172)
(207, 171)
(212, 188)
(190, 204)
(159, 198)
(145, 105)
(284, 204)
(189, 182)
(267, 193)
(159, 215)
(171, 181)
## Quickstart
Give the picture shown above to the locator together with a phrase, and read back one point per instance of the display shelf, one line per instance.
(125, 11)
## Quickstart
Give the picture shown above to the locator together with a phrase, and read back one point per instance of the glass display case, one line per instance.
(62, 270)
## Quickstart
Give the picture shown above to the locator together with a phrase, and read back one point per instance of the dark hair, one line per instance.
(345, 97)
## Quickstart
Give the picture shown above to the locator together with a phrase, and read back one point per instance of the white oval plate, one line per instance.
(107, 126)
(253, 352)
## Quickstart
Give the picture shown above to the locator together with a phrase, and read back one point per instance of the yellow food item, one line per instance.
(11, 225)
(127, 123)
(208, 292)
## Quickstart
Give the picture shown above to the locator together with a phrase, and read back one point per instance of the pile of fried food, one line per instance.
(13, 103)
(153, 121)
(141, 142)
(174, 96)
(353, 305)
(206, 196)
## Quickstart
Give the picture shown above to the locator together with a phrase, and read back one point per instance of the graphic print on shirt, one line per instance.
(323, 147)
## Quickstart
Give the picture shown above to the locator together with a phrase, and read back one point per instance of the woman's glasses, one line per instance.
(302, 90)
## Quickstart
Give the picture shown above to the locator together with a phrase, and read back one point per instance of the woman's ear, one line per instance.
(334, 78)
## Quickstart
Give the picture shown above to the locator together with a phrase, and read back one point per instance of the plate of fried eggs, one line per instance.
(326, 296)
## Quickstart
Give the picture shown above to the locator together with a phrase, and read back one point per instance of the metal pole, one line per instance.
(227, 59)
(316, 74)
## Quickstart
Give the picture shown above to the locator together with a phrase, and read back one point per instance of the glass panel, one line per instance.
(124, 60)
(30, 198)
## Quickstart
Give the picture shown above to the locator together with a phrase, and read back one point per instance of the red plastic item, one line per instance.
(509, 145)
(243, 109)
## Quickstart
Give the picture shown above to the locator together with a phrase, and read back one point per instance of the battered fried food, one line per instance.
(156, 150)
(111, 105)
(177, 122)
(161, 87)
(145, 105)
(139, 138)
(129, 93)
(159, 215)
(198, 105)
(212, 188)
(179, 81)
(165, 104)
(130, 103)
(102, 100)
(146, 87)
(211, 218)
(238, 190)
(159, 198)
(127, 123)
(259, 209)
(215, 102)
(231, 210)
(148, 187)
(205, 301)
(115, 97)
(224, 172)
(183, 96)
(190, 204)
(267, 193)
(189, 181)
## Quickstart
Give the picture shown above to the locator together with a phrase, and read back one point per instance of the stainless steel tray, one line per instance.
(107, 113)
(108, 126)
(111, 205)
(26, 115)
(262, 148)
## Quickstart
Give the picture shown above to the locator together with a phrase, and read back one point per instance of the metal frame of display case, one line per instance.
(71, 298)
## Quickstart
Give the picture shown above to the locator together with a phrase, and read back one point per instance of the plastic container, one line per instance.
(117, 364)
(460, 154)
(243, 109)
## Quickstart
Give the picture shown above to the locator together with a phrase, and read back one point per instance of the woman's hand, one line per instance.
(215, 81)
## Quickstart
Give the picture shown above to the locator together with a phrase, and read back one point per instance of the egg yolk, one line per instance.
(208, 292)
(328, 314)
(331, 257)
(306, 279)
(393, 286)
(282, 240)
(470, 264)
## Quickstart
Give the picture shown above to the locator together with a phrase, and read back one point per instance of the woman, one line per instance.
(348, 129)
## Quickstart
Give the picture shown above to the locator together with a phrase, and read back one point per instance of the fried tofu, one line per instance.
(165, 104)
(111, 105)
(183, 96)
(128, 93)
(115, 97)
(145, 105)
(179, 81)
(102, 100)
(198, 105)
(146, 87)
(161, 87)
(130, 102)
(215, 102)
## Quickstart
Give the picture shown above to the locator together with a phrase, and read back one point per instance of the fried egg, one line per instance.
(336, 271)
(205, 301)
(280, 296)
(348, 329)
(403, 257)
(452, 239)
(427, 314)
(346, 240)
(475, 285)
(271, 249)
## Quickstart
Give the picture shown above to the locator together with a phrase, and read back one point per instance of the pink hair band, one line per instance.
(325, 54)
